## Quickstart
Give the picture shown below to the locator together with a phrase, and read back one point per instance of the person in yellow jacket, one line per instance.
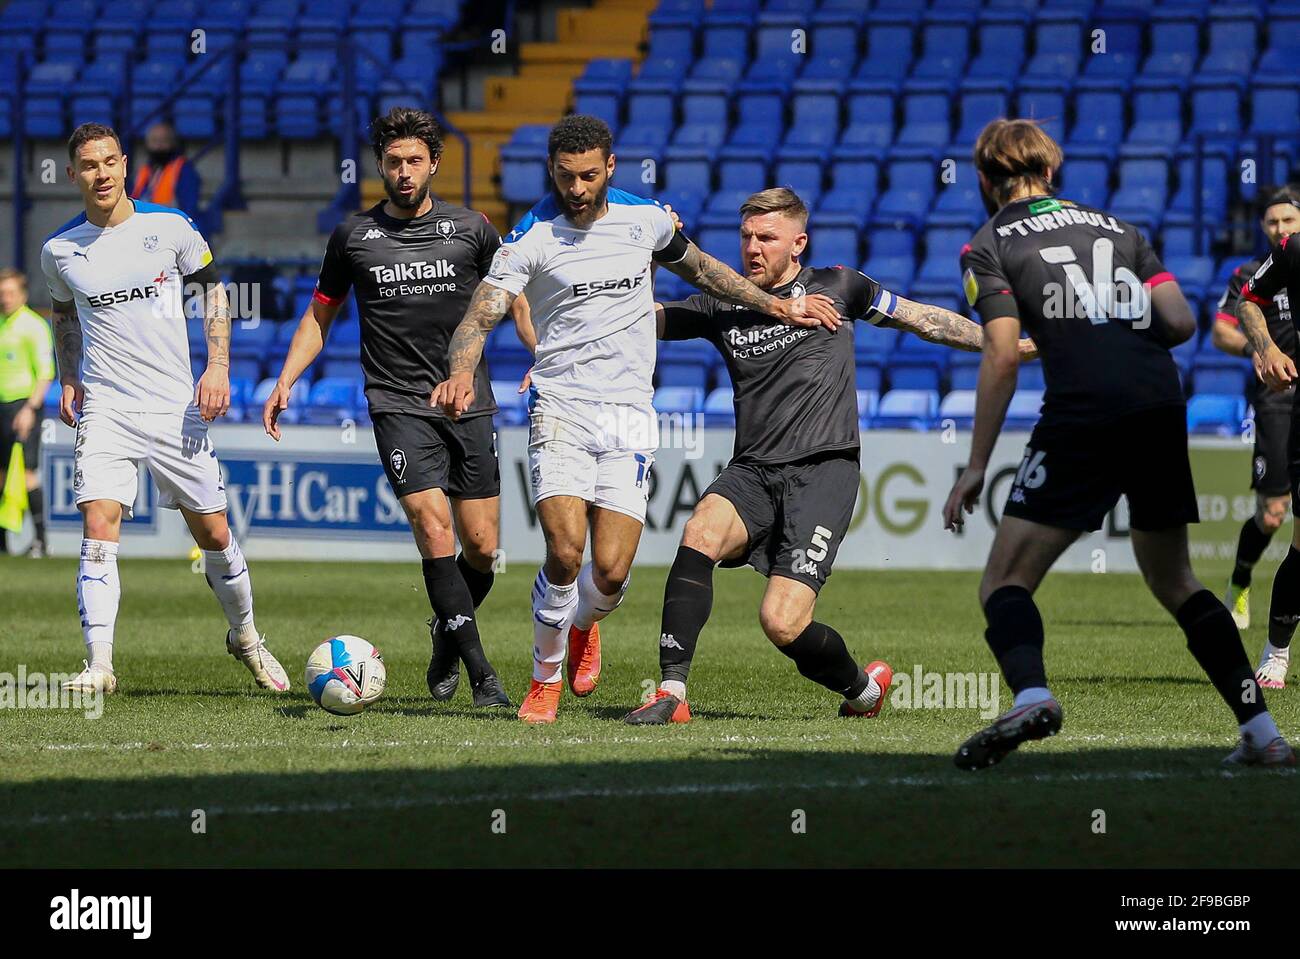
(26, 371)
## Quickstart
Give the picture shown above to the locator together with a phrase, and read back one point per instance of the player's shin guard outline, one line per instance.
(227, 573)
(593, 605)
(552, 609)
(1015, 635)
(99, 593)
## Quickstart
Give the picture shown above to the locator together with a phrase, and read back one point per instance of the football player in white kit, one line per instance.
(116, 275)
(584, 256)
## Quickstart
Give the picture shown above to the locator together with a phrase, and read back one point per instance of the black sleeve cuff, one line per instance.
(675, 251)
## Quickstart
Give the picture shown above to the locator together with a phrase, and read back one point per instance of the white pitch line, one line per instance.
(561, 795)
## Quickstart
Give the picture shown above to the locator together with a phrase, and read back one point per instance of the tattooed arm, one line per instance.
(68, 349)
(1272, 366)
(486, 308)
(713, 276)
(212, 394)
(938, 325)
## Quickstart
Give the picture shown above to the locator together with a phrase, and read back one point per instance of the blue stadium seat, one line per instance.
(1099, 112)
(1002, 38)
(926, 106)
(889, 46)
(720, 409)
(252, 342)
(1233, 40)
(1143, 180)
(979, 101)
(1122, 30)
(1216, 414)
(854, 183)
(689, 169)
(959, 407)
(523, 164)
(869, 125)
(868, 404)
(906, 410)
(904, 375)
(1216, 163)
(1219, 373)
(815, 114)
(1275, 103)
(801, 170)
(682, 374)
(679, 399)
(869, 376)
(833, 240)
(1044, 99)
(945, 44)
(1086, 178)
(1283, 51)
(912, 176)
(332, 401)
(1157, 111)
(512, 406)
(1058, 44)
(299, 398)
(1030, 376)
(1217, 104)
(1174, 36)
(343, 369)
(1024, 409)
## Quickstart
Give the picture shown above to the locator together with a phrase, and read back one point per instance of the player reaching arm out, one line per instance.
(308, 341)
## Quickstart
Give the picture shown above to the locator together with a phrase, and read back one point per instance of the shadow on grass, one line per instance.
(737, 808)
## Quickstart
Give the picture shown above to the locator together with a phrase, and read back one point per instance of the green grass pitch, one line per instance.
(766, 775)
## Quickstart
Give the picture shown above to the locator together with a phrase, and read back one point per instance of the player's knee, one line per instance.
(1172, 588)
(701, 537)
(779, 624)
(610, 577)
(563, 559)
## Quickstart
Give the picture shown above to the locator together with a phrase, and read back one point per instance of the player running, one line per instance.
(1104, 313)
(784, 502)
(584, 255)
(116, 274)
(1277, 282)
(413, 262)
(1269, 475)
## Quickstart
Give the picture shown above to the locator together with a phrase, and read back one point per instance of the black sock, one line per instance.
(36, 501)
(1015, 635)
(819, 654)
(688, 600)
(4, 541)
(480, 584)
(1213, 639)
(454, 609)
(1284, 609)
(1250, 547)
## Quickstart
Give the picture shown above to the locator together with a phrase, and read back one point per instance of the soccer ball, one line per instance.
(345, 674)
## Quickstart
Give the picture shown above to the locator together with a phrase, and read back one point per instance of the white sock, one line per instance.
(1261, 730)
(1034, 694)
(1271, 650)
(99, 591)
(674, 687)
(867, 698)
(227, 574)
(593, 605)
(552, 607)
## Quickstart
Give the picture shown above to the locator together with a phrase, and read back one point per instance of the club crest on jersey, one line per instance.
(151, 242)
(445, 228)
(397, 460)
(797, 291)
(636, 231)
(1261, 465)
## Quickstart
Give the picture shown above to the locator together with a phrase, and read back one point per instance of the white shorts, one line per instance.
(599, 452)
(175, 447)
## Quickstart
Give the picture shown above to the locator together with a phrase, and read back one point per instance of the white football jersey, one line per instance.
(127, 283)
(590, 296)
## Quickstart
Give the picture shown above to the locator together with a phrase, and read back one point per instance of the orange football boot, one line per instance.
(540, 704)
(883, 676)
(583, 666)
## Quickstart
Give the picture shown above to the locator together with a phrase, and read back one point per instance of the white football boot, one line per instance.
(1273, 663)
(266, 669)
(93, 679)
(1276, 752)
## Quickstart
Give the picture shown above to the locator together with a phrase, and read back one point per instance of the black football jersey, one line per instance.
(1276, 283)
(413, 280)
(1277, 313)
(1079, 280)
(794, 386)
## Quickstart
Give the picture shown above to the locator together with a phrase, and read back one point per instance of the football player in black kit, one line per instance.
(1269, 473)
(784, 501)
(413, 263)
(1104, 313)
(1277, 283)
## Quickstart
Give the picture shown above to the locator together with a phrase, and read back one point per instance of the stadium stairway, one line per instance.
(540, 92)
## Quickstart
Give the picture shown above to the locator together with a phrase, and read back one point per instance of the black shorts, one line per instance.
(1292, 455)
(31, 445)
(1073, 475)
(426, 452)
(1270, 467)
(796, 514)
